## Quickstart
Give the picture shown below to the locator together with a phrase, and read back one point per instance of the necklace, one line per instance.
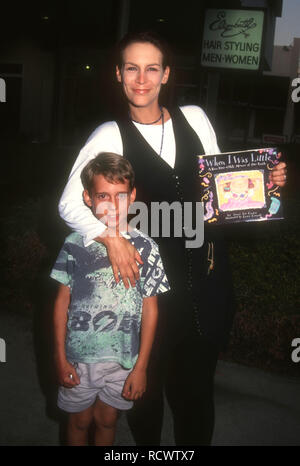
(162, 132)
(152, 122)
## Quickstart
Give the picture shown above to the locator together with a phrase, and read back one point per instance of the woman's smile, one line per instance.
(141, 91)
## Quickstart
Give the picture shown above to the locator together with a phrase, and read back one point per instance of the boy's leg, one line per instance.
(79, 403)
(105, 418)
(78, 426)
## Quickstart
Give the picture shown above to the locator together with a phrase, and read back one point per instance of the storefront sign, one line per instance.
(232, 39)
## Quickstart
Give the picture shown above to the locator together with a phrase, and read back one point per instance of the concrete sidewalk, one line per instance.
(252, 407)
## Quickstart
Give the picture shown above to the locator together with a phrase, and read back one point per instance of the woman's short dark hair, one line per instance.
(114, 168)
(151, 37)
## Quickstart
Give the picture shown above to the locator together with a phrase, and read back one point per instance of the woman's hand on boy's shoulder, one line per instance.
(123, 257)
(66, 373)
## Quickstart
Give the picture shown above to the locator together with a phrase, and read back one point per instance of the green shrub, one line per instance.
(266, 274)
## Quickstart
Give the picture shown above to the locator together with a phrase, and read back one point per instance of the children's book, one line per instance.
(236, 186)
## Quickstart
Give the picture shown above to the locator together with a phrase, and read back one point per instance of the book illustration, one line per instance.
(236, 186)
(274, 207)
(240, 190)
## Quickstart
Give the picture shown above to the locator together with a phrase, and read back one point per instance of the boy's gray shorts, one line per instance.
(104, 380)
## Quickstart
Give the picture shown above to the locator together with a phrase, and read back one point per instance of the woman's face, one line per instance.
(142, 74)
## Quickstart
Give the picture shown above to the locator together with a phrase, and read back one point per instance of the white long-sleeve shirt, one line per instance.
(107, 138)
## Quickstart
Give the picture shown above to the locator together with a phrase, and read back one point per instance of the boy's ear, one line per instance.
(118, 74)
(86, 198)
(132, 195)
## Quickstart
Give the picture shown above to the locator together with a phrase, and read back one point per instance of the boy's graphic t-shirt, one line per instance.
(104, 317)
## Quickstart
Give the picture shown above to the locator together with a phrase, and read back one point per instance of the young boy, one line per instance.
(101, 355)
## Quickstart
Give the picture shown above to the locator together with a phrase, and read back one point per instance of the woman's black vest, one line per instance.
(198, 296)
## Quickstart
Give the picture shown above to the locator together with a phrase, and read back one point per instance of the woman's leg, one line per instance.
(146, 417)
(190, 390)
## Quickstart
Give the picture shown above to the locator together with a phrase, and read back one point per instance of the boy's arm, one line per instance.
(135, 384)
(60, 316)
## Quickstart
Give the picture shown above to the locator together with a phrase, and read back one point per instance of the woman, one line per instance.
(195, 319)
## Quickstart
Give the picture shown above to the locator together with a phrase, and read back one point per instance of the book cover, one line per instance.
(236, 186)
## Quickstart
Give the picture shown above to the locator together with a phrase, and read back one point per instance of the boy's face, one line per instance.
(110, 201)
